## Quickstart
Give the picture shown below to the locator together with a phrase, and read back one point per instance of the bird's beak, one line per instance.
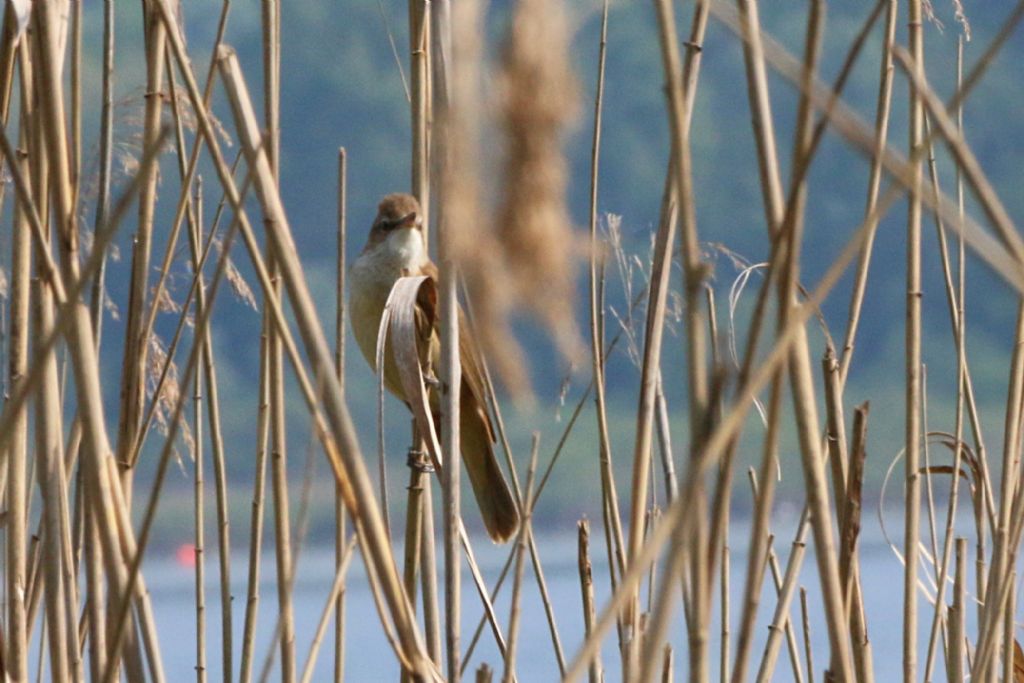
(410, 220)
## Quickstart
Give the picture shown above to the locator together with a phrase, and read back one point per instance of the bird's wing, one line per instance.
(469, 355)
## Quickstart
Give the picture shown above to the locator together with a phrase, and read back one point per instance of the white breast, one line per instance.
(371, 278)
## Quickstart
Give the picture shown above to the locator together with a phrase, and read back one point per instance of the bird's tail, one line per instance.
(497, 506)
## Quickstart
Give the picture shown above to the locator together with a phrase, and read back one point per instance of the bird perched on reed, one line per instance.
(395, 248)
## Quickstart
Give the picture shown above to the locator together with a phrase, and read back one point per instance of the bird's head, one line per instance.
(398, 227)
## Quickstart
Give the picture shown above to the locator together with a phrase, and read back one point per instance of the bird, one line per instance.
(395, 248)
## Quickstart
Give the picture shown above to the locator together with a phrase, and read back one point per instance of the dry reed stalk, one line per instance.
(781, 617)
(791, 231)
(419, 103)
(761, 114)
(1009, 664)
(723, 659)
(587, 589)
(419, 465)
(346, 459)
(198, 509)
(337, 588)
(807, 634)
(517, 581)
(964, 393)
(883, 107)
(609, 494)
(958, 617)
(209, 373)
(136, 344)
(279, 443)
(256, 519)
(680, 183)
(340, 532)
(16, 631)
(106, 144)
(49, 456)
(453, 46)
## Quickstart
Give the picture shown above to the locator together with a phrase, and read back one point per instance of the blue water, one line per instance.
(368, 657)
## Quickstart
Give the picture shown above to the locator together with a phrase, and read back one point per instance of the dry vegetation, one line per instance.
(73, 553)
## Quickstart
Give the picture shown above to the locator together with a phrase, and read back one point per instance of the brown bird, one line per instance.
(395, 248)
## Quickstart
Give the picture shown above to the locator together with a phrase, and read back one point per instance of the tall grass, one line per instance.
(80, 517)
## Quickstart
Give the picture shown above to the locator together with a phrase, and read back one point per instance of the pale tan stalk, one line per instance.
(958, 617)
(49, 471)
(761, 114)
(419, 103)
(883, 107)
(279, 443)
(346, 460)
(912, 435)
(517, 581)
(136, 342)
(106, 144)
(759, 533)
(340, 531)
(321, 629)
(609, 493)
(723, 661)
(453, 43)
(419, 466)
(256, 517)
(198, 509)
(696, 369)
(781, 618)
(16, 631)
(209, 373)
(807, 634)
(587, 590)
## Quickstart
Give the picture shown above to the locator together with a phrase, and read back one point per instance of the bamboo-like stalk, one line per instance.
(337, 588)
(608, 489)
(958, 616)
(452, 40)
(517, 581)
(805, 618)
(278, 437)
(199, 520)
(587, 590)
(106, 151)
(136, 344)
(16, 635)
(723, 660)
(419, 103)
(912, 434)
(256, 518)
(209, 373)
(419, 466)
(883, 107)
(781, 617)
(199, 499)
(49, 470)
(682, 192)
(772, 562)
(340, 532)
